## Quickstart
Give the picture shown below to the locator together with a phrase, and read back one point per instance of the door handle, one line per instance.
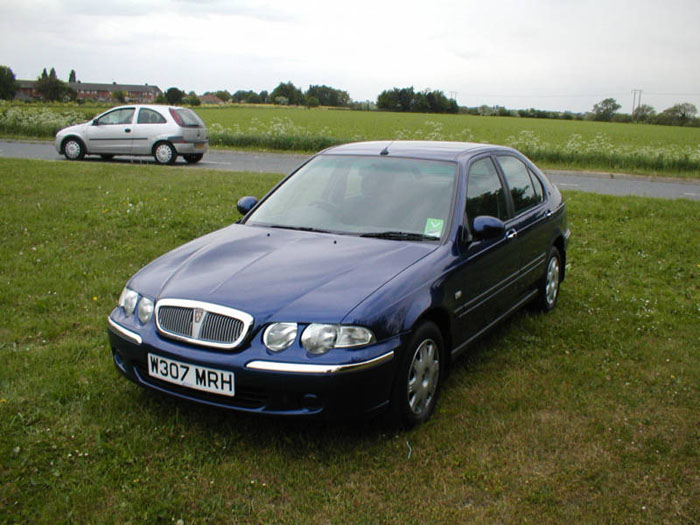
(511, 234)
(127, 130)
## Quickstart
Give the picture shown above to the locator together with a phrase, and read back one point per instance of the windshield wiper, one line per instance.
(299, 228)
(400, 236)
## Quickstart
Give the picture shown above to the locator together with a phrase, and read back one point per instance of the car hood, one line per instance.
(277, 274)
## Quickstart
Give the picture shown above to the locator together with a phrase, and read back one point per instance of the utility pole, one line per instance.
(636, 99)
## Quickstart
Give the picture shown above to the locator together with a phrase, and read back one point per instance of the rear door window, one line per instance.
(522, 188)
(149, 116)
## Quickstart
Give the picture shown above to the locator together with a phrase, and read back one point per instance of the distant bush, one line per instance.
(279, 134)
(600, 151)
(33, 121)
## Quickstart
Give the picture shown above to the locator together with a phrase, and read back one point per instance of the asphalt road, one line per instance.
(603, 183)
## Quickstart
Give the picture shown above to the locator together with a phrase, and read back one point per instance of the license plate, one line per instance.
(191, 376)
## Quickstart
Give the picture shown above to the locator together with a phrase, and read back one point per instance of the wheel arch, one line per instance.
(160, 141)
(560, 244)
(441, 319)
(74, 137)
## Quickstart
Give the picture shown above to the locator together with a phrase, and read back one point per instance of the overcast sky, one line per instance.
(547, 54)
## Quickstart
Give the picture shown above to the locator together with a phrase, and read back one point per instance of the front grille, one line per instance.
(202, 323)
(216, 327)
(176, 320)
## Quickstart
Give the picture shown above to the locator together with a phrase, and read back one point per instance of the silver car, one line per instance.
(162, 131)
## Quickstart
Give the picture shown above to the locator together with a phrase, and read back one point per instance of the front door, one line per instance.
(110, 134)
(487, 274)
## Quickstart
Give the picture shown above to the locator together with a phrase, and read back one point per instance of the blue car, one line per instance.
(351, 286)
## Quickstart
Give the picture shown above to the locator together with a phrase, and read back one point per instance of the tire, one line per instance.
(419, 376)
(73, 148)
(548, 287)
(107, 156)
(193, 158)
(164, 153)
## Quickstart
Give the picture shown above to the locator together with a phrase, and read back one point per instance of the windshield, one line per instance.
(373, 196)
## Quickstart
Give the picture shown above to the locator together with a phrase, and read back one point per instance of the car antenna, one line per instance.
(385, 151)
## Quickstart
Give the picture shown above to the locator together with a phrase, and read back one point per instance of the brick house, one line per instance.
(100, 92)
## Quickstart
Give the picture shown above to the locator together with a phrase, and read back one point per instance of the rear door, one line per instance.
(529, 223)
(111, 133)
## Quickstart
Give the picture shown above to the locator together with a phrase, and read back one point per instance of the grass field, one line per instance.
(586, 415)
(617, 147)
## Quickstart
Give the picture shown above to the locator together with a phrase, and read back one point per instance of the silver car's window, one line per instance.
(186, 118)
(364, 195)
(518, 178)
(149, 116)
(118, 116)
(485, 195)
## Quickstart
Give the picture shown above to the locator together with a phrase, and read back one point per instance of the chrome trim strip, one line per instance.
(534, 264)
(458, 350)
(243, 317)
(497, 288)
(127, 334)
(301, 368)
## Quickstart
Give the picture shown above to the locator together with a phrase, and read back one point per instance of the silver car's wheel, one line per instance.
(164, 153)
(73, 149)
(419, 375)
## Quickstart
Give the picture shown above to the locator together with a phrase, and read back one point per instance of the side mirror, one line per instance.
(487, 227)
(245, 204)
(94, 123)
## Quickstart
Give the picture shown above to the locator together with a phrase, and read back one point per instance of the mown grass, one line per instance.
(588, 414)
(617, 147)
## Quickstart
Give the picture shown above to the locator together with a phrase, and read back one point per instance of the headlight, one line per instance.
(320, 338)
(128, 300)
(279, 336)
(350, 336)
(145, 310)
(132, 301)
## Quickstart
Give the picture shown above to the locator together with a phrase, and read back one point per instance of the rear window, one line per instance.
(186, 118)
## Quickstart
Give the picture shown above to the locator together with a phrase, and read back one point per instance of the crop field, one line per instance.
(616, 147)
(585, 415)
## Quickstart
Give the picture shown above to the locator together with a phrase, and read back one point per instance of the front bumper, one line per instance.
(358, 383)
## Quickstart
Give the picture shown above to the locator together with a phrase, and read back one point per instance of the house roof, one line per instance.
(93, 86)
(211, 99)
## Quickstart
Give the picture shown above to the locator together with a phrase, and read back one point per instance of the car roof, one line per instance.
(149, 106)
(419, 149)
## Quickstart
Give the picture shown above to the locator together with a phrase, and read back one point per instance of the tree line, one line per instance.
(683, 114)
(51, 88)
(287, 94)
